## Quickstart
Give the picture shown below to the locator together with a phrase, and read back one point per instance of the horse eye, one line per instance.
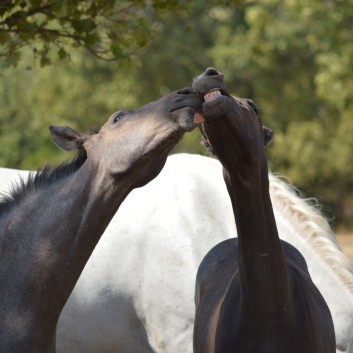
(118, 116)
(253, 106)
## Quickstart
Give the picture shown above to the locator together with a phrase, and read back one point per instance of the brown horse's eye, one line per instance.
(118, 116)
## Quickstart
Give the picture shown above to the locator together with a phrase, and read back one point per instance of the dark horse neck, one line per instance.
(261, 260)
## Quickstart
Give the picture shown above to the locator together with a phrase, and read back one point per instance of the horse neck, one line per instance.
(262, 267)
(47, 240)
(87, 212)
(87, 202)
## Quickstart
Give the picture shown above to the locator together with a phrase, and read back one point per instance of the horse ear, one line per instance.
(268, 135)
(67, 138)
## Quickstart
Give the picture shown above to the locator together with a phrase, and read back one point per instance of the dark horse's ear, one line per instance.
(67, 138)
(268, 135)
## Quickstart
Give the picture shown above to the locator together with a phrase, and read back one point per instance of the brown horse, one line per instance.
(50, 225)
(254, 293)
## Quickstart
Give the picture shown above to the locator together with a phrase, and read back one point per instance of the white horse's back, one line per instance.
(136, 291)
(10, 177)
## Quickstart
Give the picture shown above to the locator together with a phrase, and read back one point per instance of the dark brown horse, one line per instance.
(50, 225)
(254, 293)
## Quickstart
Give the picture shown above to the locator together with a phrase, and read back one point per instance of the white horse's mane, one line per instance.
(312, 226)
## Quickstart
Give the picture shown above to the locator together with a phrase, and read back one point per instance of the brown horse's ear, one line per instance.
(268, 135)
(67, 138)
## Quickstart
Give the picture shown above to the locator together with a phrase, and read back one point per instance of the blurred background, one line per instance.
(75, 62)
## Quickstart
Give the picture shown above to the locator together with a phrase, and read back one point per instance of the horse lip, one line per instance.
(172, 110)
(189, 123)
(222, 93)
(212, 90)
(202, 92)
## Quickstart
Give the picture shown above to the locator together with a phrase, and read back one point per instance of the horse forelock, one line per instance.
(38, 180)
(312, 226)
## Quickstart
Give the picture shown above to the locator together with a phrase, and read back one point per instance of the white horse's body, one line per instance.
(136, 292)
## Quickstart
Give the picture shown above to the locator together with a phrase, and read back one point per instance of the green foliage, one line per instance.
(108, 29)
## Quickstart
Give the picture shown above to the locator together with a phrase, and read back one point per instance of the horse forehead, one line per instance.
(133, 122)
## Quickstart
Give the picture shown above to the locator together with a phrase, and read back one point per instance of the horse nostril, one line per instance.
(186, 90)
(211, 72)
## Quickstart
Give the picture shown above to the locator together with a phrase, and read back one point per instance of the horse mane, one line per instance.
(38, 180)
(312, 226)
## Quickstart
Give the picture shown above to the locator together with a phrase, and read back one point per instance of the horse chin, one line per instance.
(187, 118)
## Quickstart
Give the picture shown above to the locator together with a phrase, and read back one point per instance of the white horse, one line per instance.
(136, 291)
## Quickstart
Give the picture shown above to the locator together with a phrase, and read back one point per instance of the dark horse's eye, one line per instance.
(118, 116)
(253, 106)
